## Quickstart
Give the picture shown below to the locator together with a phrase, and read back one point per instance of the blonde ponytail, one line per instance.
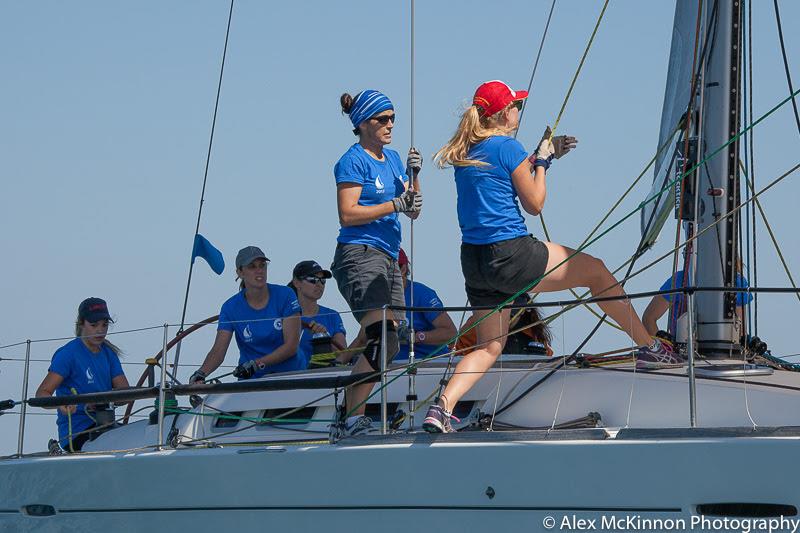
(471, 130)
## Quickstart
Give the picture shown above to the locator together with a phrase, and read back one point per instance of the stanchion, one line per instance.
(24, 404)
(161, 390)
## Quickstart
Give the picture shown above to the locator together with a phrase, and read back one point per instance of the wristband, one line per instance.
(545, 163)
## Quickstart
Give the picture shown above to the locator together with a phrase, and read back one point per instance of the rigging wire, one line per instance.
(771, 235)
(205, 180)
(750, 137)
(785, 61)
(412, 333)
(535, 66)
(746, 151)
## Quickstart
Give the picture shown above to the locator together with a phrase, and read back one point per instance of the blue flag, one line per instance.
(206, 250)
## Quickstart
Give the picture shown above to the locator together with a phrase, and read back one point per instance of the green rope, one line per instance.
(555, 125)
(578, 71)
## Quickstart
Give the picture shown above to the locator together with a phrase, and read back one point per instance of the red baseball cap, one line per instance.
(402, 258)
(493, 96)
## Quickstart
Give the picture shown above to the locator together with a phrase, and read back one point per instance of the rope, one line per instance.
(558, 120)
(205, 179)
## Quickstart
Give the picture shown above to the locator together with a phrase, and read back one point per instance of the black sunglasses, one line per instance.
(384, 120)
(315, 279)
(518, 104)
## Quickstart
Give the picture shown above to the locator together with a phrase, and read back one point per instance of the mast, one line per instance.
(718, 186)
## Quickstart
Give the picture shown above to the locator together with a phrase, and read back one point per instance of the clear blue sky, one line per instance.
(106, 111)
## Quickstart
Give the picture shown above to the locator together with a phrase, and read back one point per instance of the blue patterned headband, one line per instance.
(367, 104)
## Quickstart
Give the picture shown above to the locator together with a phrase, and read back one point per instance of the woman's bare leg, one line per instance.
(583, 270)
(492, 333)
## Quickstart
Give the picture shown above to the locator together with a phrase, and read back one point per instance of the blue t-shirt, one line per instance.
(85, 372)
(424, 296)
(742, 298)
(487, 201)
(328, 318)
(380, 182)
(259, 332)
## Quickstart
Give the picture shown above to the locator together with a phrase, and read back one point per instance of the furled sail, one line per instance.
(676, 100)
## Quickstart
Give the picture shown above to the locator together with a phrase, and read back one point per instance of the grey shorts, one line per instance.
(495, 272)
(367, 278)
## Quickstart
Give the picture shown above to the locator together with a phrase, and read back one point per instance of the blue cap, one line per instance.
(93, 310)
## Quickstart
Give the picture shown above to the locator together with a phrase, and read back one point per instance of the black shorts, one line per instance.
(368, 278)
(495, 272)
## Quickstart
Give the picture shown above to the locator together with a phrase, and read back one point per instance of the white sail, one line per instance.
(676, 100)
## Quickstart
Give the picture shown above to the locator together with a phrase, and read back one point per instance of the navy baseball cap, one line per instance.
(310, 268)
(248, 254)
(93, 310)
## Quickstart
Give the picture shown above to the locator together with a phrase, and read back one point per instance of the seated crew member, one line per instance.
(535, 340)
(661, 303)
(265, 319)
(88, 363)
(432, 329)
(308, 282)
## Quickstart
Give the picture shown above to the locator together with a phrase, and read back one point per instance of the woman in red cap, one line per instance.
(499, 258)
(87, 363)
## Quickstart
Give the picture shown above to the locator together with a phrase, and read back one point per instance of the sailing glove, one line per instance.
(408, 202)
(562, 144)
(198, 377)
(248, 369)
(414, 161)
(403, 332)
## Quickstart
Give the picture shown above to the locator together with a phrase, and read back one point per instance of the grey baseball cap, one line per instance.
(248, 254)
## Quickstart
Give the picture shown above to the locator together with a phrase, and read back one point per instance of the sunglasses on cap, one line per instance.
(315, 279)
(384, 120)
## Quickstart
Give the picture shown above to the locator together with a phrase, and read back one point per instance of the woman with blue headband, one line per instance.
(372, 189)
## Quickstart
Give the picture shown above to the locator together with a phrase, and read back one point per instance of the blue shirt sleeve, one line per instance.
(432, 300)
(114, 364)
(398, 163)
(225, 322)
(511, 154)
(290, 304)
(61, 363)
(668, 286)
(349, 170)
(339, 326)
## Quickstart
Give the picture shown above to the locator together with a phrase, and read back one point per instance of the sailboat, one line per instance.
(543, 443)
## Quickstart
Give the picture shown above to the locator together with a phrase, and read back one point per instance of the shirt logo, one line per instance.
(379, 183)
(247, 334)
(278, 324)
(89, 376)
